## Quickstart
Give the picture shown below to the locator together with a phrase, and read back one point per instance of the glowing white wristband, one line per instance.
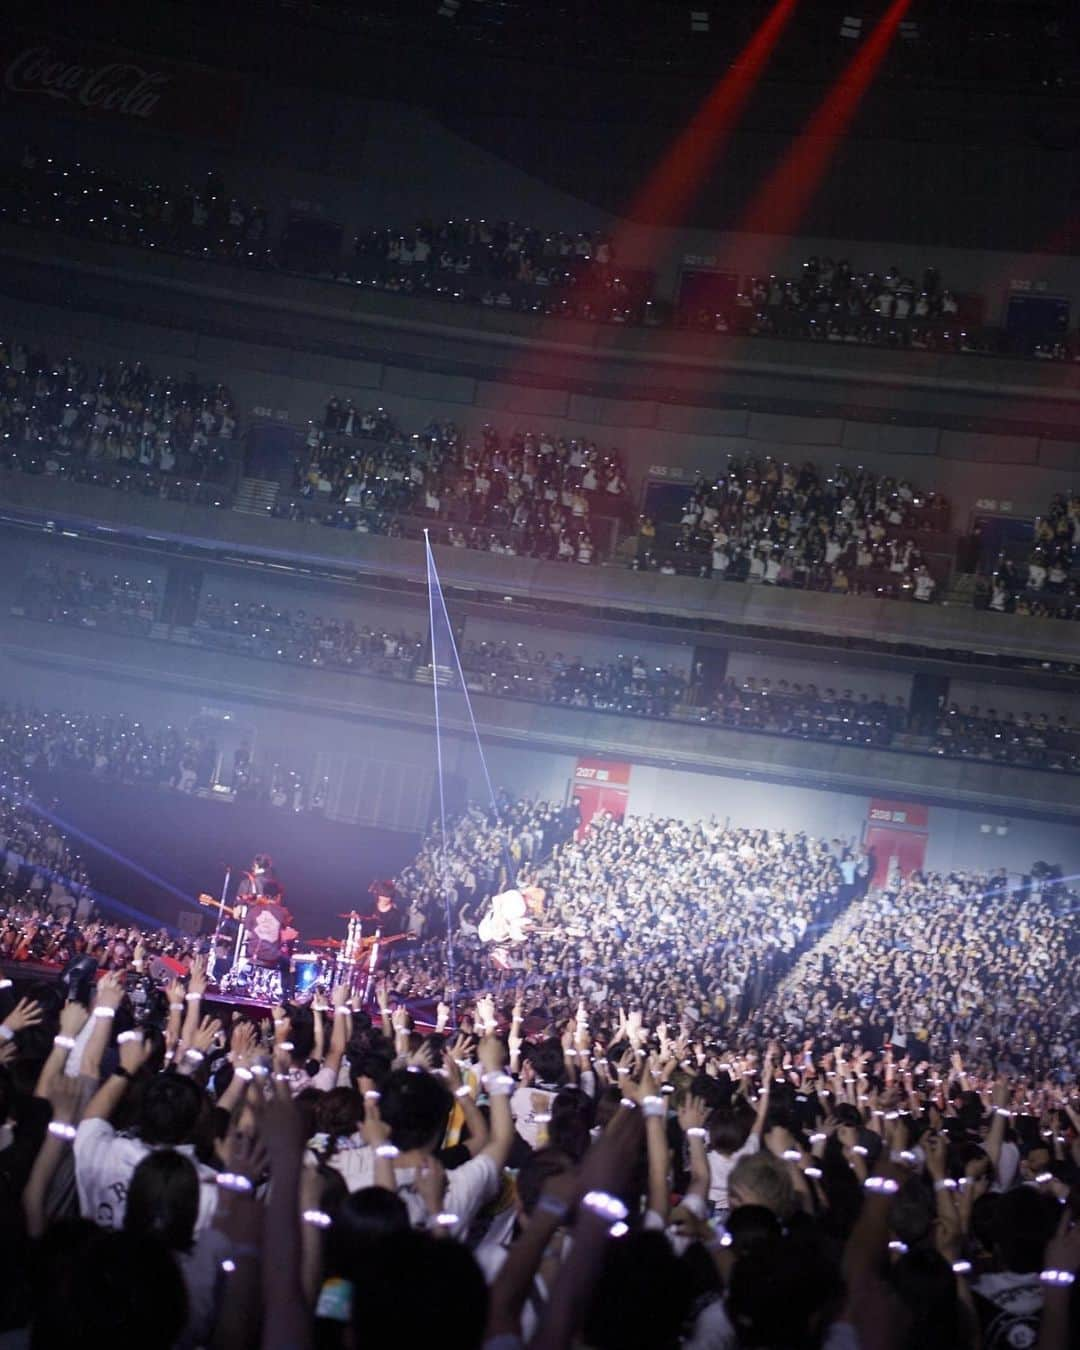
(498, 1084)
(1060, 1279)
(387, 1151)
(861, 1150)
(110, 1013)
(176, 1007)
(127, 1037)
(814, 1173)
(64, 1042)
(653, 1105)
(1002, 1111)
(550, 1205)
(946, 1184)
(245, 1075)
(318, 1218)
(342, 1012)
(193, 998)
(371, 1095)
(961, 1267)
(791, 1155)
(196, 1056)
(444, 1220)
(233, 1181)
(881, 1185)
(62, 1130)
(606, 1206)
(697, 1132)
(628, 1102)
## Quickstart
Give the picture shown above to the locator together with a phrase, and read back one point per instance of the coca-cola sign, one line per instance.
(103, 82)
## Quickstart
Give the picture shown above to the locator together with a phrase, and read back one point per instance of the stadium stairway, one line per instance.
(256, 496)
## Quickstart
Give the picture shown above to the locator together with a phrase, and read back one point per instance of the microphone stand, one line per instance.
(217, 926)
(368, 988)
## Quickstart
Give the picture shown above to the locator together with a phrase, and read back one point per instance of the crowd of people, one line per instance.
(117, 425)
(114, 603)
(763, 1105)
(1033, 739)
(521, 492)
(628, 684)
(845, 530)
(832, 288)
(121, 749)
(46, 194)
(1047, 583)
(504, 264)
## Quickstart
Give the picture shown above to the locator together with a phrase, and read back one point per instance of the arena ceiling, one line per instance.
(1015, 41)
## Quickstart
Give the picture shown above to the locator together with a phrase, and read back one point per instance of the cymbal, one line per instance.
(326, 944)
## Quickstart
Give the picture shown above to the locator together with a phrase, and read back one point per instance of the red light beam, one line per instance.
(780, 204)
(666, 195)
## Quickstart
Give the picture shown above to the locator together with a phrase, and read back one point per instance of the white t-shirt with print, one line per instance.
(468, 1187)
(104, 1164)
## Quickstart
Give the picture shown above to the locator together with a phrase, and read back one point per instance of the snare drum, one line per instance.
(307, 968)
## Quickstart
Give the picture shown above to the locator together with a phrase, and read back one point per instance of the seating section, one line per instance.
(626, 686)
(117, 426)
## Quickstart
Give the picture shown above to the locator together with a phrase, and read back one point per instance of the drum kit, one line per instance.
(331, 961)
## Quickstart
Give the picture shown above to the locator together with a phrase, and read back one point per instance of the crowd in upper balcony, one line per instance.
(1034, 739)
(48, 193)
(519, 492)
(781, 525)
(504, 264)
(112, 602)
(830, 301)
(118, 425)
(629, 684)
(1045, 583)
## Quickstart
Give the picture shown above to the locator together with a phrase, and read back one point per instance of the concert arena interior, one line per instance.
(540, 675)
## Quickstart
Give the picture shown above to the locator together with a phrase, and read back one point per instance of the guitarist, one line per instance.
(271, 934)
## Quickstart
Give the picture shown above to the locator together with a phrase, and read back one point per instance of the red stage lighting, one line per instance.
(669, 190)
(780, 204)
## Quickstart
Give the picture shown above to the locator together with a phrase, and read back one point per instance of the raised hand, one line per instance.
(26, 1013)
(492, 1054)
(63, 1094)
(242, 1044)
(73, 1017)
(245, 1154)
(134, 1054)
(197, 981)
(935, 1150)
(692, 1113)
(204, 1036)
(423, 1058)
(374, 1129)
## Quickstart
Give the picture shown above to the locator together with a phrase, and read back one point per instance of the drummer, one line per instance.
(388, 918)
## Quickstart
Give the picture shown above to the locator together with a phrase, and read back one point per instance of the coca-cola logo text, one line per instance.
(116, 86)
